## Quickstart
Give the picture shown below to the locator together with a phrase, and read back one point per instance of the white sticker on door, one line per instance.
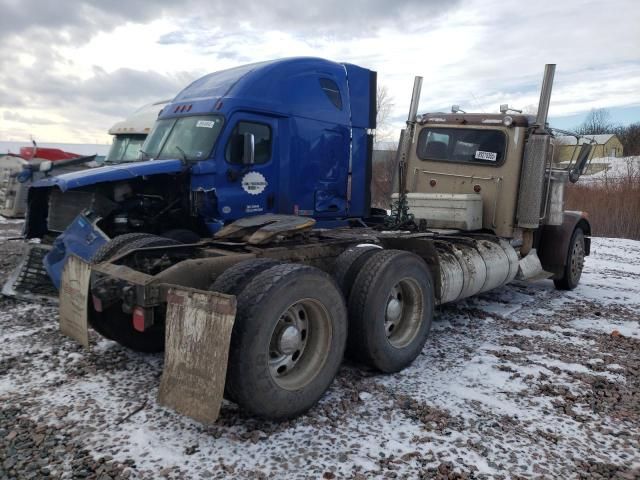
(254, 183)
(205, 123)
(480, 155)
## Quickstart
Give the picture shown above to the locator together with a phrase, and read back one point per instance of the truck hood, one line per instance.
(111, 173)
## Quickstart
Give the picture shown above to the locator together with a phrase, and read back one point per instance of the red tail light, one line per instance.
(139, 323)
(97, 303)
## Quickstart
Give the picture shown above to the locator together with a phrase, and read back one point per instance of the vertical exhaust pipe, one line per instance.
(532, 175)
(415, 99)
(545, 95)
(409, 132)
(404, 148)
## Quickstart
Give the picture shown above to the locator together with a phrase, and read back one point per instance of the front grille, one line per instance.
(12, 197)
(64, 207)
(5, 176)
(30, 280)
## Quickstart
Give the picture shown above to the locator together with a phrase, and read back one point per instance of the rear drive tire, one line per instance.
(575, 263)
(287, 342)
(349, 263)
(390, 310)
(117, 325)
(233, 280)
(112, 247)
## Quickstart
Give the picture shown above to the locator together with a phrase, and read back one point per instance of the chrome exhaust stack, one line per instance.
(535, 173)
(536, 157)
(545, 95)
(404, 148)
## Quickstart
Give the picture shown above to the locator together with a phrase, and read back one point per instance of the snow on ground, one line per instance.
(5, 220)
(617, 168)
(522, 382)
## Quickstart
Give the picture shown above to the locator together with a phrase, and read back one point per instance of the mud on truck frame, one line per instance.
(263, 310)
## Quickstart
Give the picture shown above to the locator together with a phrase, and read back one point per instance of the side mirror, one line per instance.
(249, 149)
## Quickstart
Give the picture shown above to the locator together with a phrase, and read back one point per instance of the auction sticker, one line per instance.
(205, 123)
(480, 155)
(254, 183)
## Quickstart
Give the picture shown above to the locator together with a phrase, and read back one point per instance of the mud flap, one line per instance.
(74, 297)
(198, 332)
(530, 268)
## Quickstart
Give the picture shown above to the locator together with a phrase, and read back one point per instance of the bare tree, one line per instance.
(598, 121)
(630, 138)
(384, 105)
(384, 170)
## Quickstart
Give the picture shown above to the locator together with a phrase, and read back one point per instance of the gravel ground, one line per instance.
(524, 382)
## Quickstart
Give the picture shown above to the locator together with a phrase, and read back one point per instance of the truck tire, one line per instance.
(349, 263)
(287, 342)
(117, 325)
(233, 280)
(574, 264)
(110, 248)
(390, 310)
(182, 235)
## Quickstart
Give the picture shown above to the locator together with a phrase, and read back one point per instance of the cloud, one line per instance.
(16, 117)
(73, 21)
(90, 63)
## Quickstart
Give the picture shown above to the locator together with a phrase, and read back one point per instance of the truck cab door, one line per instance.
(247, 185)
(329, 161)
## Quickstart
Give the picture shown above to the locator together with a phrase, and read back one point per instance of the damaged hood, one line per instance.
(111, 173)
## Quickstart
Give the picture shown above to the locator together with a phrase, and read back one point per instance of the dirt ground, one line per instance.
(523, 382)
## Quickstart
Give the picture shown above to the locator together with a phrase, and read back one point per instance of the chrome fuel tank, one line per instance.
(472, 266)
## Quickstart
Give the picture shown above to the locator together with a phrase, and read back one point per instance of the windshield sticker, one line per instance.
(480, 155)
(205, 123)
(254, 183)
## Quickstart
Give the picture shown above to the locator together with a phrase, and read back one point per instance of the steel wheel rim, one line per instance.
(299, 344)
(577, 259)
(403, 312)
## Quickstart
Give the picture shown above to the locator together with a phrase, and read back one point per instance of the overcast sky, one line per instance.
(70, 69)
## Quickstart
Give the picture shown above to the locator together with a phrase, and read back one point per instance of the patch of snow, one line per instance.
(609, 325)
(5, 220)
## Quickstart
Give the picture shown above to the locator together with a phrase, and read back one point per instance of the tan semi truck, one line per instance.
(129, 134)
(263, 311)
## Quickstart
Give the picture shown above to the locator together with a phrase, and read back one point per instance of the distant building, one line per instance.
(607, 145)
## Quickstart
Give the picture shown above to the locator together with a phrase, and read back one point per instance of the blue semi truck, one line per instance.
(246, 247)
(285, 136)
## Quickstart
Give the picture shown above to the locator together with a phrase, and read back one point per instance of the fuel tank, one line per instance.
(469, 266)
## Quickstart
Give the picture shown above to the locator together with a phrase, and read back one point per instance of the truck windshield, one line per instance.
(125, 148)
(462, 145)
(188, 138)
